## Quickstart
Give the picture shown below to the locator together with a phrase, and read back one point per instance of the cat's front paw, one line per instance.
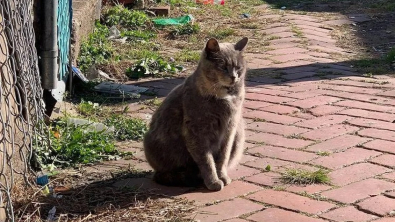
(226, 179)
(215, 186)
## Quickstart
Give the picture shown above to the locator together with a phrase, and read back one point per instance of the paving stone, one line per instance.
(372, 123)
(338, 143)
(304, 95)
(348, 157)
(261, 90)
(380, 205)
(385, 160)
(329, 132)
(291, 201)
(291, 57)
(378, 133)
(234, 189)
(326, 110)
(270, 179)
(277, 165)
(226, 210)
(348, 213)
(287, 51)
(276, 30)
(279, 129)
(313, 102)
(367, 106)
(271, 117)
(369, 114)
(352, 89)
(267, 98)
(355, 173)
(280, 109)
(279, 215)
(323, 121)
(241, 171)
(283, 153)
(310, 189)
(277, 140)
(149, 185)
(256, 104)
(359, 190)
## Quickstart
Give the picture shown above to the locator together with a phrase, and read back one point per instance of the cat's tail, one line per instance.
(178, 179)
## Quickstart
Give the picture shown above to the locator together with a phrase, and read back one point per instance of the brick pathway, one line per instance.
(303, 100)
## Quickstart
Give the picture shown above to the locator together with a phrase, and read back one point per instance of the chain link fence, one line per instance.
(21, 106)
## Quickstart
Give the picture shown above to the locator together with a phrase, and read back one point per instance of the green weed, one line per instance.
(151, 66)
(96, 49)
(138, 34)
(127, 128)
(221, 33)
(71, 144)
(88, 108)
(300, 176)
(119, 15)
(186, 29)
(188, 56)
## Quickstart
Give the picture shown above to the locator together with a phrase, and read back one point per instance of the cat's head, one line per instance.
(223, 63)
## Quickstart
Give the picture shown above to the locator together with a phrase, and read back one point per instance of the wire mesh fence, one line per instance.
(21, 107)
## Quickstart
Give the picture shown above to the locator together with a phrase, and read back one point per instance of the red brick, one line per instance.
(261, 90)
(310, 189)
(280, 109)
(379, 205)
(271, 117)
(300, 86)
(304, 95)
(277, 140)
(270, 179)
(248, 145)
(323, 121)
(367, 106)
(283, 40)
(307, 23)
(390, 176)
(302, 115)
(291, 57)
(369, 114)
(377, 133)
(329, 132)
(359, 190)
(372, 123)
(347, 214)
(355, 173)
(276, 30)
(247, 158)
(277, 165)
(282, 153)
(385, 160)
(325, 110)
(283, 45)
(226, 210)
(300, 17)
(390, 93)
(236, 220)
(348, 157)
(357, 83)
(316, 32)
(387, 219)
(256, 104)
(291, 201)
(390, 194)
(287, 51)
(279, 215)
(241, 171)
(313, 102)
(338, 143)
(351, 89)
(361, 97)
(276, 128)
(299, 69)
(381, 145)
(338, 22)
(249, 133)
(234, 189)
(299, 75)
(267, 98)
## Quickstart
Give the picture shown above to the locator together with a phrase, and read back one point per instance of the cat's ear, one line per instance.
(212, 46)
(240, 45)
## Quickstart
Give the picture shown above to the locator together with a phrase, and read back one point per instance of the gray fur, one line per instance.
(198, 131)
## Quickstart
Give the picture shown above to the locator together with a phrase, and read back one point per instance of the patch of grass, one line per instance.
(300, 176)
(96, 49)
(75, 144)
(298, 32)
(249, 25)
(187, 56)
(138, 34)
(221, 33)
(272, 37)
(127, 128)
(151, 67)
(119, 15)
(88, 108)
(323, 153)
(390, 57)
(185, 29)
(153, 102)
(388, 5)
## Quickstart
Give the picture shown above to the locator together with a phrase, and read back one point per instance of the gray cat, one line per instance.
(198, 131)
